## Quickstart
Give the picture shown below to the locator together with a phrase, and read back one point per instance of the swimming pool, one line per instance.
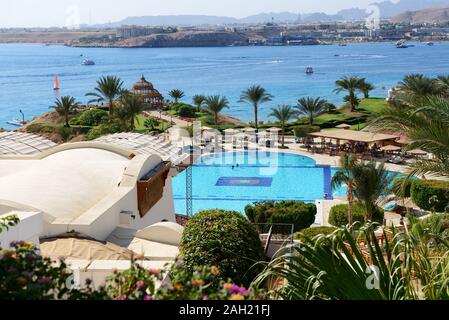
(233, 180)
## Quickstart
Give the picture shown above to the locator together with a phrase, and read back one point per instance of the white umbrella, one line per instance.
(417, 152)
(231, 131)
(274, 129)
(391, 148)
(249, 130)
(343, 126)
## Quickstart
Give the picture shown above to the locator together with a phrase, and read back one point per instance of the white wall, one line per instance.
(28, 229)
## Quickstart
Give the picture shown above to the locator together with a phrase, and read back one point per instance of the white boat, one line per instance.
(430, 43)
(309, 70)
(88, 62)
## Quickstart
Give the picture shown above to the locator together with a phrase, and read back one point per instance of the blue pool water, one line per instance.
(231, 180)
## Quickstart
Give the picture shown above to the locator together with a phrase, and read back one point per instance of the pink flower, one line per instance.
(147, 298)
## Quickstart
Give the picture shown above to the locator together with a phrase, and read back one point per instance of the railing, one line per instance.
(276, 231)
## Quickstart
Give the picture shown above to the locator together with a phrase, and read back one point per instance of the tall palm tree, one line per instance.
(347, 175)
(215, 104)
(283, 114)
(177, 95)
(199, 100)
(256, 95)
(351, 85)
(366, 88)
(372, 182)
(311, 107)
(418, 85)
(133, 106)
(64, 106)
(109, 89)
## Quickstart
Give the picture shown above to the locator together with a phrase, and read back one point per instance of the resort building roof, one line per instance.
(17, 143)
(354, 136)
(149, 94)
(146, 144)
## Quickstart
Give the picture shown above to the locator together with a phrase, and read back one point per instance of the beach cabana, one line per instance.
(344, 126)
(391, 148)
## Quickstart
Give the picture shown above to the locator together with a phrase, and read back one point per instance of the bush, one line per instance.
(224, 239)
(311, 233)
(103, 129)
(338, 215)
(40, 128)
(300, 214)
(402, 187)
(90, 118)
(187, 112)
(303, 131)
(430, 194)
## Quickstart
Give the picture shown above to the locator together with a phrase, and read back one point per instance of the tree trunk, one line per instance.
(311, 120)
(256, 118)
(283, 136)
(350, 202)
(111, 108)
(216, 119)
(352, 101)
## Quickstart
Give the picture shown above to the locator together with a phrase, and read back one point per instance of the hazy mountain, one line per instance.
(389, 9)
(268, 17)
(423, 16)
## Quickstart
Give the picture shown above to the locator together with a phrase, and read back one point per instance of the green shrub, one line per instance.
(303, 131)
(187, 112)
(402, 187)
(40, 128)
(226, 240)
(300, 214)
(311, 233)
(103, 129)
(430, 194)
(90, 118)
(65, 133)
(338, 215)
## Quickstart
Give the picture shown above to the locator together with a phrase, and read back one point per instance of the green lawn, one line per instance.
(141, 128)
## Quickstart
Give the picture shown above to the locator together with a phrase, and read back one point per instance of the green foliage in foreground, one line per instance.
(431, 195)
(311, 233)
(338, 215)
(224, 239)
(300, 214)
(412, 266)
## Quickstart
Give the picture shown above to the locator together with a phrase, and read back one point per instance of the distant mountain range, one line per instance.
(423, 16)
(387, 9)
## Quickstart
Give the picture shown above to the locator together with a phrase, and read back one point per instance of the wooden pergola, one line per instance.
(336, 141)
(149, 94)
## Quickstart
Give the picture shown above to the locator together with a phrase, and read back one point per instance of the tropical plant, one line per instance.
(410, 266)
(224, 239)
(338, 215)
(366, 88)
(311, 107)
(418, 85)
(215, 104)
(199, 100)
(313, 232)
(131, 106)
(255, 95)
(283, 114)
(90, 118)
(301, 215)
(431, 195)
(8, 222)
(350, 85)
(64, 106)
(151, 123)
(426, 122)
(186, 111)
(176, 94)
(109, 89)
(346, 175)
(443, 84)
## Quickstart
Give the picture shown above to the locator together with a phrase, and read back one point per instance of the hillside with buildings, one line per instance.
(423, 16)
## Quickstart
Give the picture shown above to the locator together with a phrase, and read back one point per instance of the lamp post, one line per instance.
(23, 116)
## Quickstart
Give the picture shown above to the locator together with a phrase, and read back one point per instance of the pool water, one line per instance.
(233, 180)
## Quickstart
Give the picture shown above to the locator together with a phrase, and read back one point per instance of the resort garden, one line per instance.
(223, 254)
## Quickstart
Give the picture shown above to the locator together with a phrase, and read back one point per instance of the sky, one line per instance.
(46, 13)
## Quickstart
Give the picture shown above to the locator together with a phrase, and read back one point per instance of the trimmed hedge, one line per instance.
(300, 214)
(430, 194)
(90, 118)
(338, 215)
(226, 240)
(311, 233)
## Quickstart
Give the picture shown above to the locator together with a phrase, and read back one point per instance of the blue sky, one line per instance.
(44, 13)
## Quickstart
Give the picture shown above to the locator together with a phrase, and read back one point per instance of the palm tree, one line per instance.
(109, 89)
(199, 100)
(283, 114)
(151, 123)
(372, 182)
(133, 106)
(366, 88)
(64, 106)
(350, 85)
(418, 85)
(177, 95)
(256, 95)
(215, 104)
(426, 122)
(311, 107)
(347, 175)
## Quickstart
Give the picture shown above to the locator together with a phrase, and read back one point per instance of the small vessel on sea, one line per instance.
(402, 44)
(88, 62)
(56, 84)
(309, 70)
(342, 44)
(430, 43)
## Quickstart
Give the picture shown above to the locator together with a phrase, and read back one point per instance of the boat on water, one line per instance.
(342, 44)
(402, 44)
(430, 43)
(56, 84)
(309, 70)
(88, 62)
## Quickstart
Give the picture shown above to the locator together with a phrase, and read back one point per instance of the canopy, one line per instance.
(231, 131)
(249, 130)
(417, 152)
(274, 129)
(355, 136)
(343, 126)
(391, 148)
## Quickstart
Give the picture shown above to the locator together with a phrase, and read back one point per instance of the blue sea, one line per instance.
(27, 71)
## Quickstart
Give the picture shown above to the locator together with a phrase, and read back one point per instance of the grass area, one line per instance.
(140, 124)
